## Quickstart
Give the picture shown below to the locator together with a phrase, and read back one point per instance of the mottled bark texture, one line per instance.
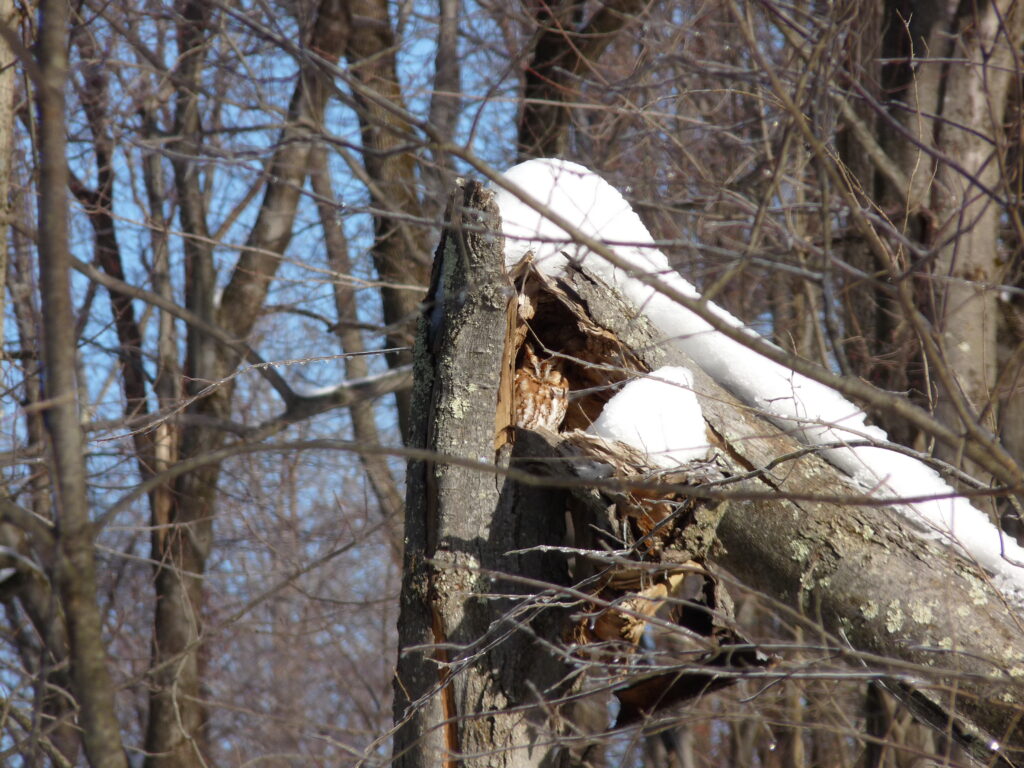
(473, 670)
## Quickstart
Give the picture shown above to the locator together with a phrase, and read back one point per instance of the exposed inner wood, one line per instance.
(641, 545)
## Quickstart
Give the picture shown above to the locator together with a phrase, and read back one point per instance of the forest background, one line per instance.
(217, 226)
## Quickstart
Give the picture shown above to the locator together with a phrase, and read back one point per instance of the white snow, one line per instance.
(302, 389)
(311, 391)
(814, 413)
(572, 191)
(658, 414)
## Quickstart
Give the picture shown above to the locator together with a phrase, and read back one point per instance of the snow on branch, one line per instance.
(814, 413)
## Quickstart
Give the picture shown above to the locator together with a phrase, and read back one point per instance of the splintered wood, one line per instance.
(641, 534)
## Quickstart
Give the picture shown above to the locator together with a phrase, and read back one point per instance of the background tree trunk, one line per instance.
(968, 262)
(945, 84)
(182, 542)
(74, 564)
(400, 248)
(565, 49)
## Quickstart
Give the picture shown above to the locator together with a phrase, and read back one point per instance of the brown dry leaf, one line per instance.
(627, 618)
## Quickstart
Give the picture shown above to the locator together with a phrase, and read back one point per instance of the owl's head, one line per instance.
(542, 368)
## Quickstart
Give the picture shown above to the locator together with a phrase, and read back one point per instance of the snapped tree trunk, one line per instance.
(473, 666)
(497, 650)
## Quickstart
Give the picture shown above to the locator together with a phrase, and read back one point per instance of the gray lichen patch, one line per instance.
(458, 406)
(922, 612)
(461, 402)
(978, 592)
(1010, 658)
(894, 617)
(800, 549)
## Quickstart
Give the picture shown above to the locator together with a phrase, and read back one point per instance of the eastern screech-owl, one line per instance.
(541, 392)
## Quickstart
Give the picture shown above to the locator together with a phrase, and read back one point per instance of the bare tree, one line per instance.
(178, 450)
(73, 568)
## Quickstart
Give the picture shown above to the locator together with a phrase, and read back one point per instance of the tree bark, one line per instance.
(8, 93)
(470, 667)
(400, 250)
(445, 101)
(174, 737)
(37, 596)
(564, 49)
(969, 263)
(937, 157)
(74, 568)
(47, 651)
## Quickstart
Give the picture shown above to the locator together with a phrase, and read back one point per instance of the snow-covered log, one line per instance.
(844, 526)
(558, 213)
(887, 598)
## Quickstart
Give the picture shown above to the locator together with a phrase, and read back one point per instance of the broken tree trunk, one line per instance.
(496, 647)
(500, 657)
(468, 656)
